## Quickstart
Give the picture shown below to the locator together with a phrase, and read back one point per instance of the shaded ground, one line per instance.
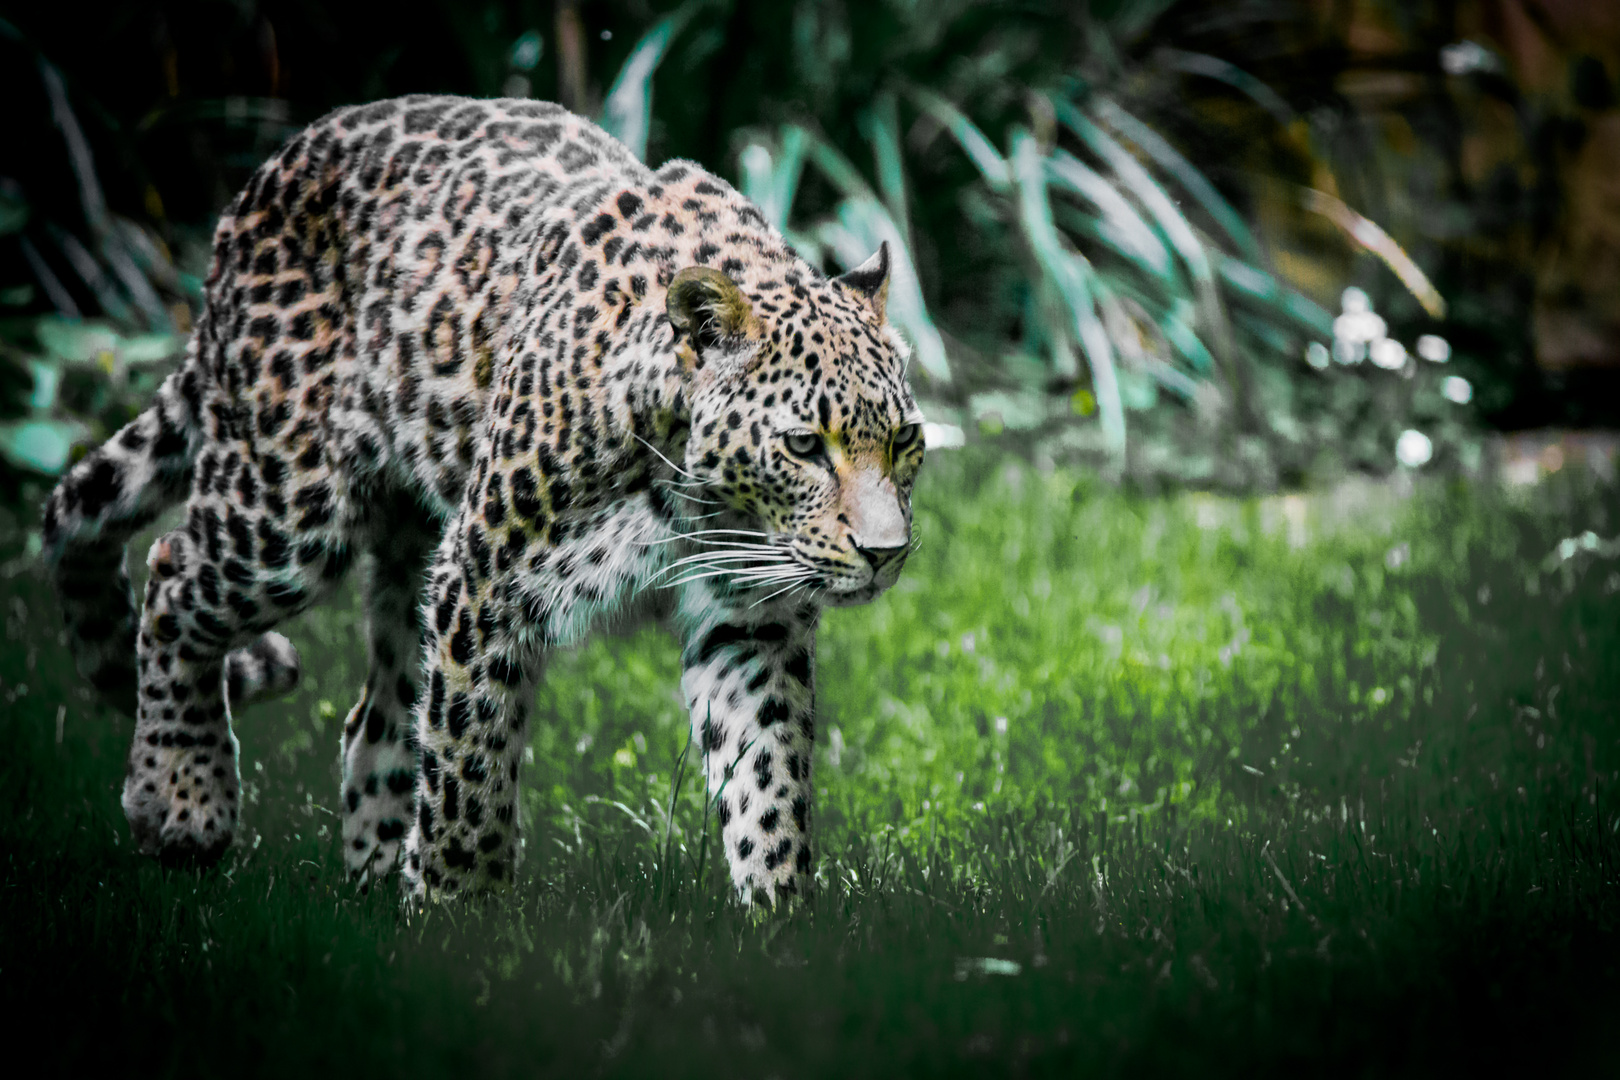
(1111, 786)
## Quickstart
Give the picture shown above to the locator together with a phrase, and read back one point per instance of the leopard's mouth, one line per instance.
(850, 584)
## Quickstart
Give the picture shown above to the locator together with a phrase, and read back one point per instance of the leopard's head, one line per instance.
(803, 430)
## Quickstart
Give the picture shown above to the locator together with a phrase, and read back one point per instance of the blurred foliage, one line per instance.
(1121, 224)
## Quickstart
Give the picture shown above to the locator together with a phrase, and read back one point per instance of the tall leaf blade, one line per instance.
(1143, 246)
(1256, 285)
(1073, 276)
(789, 168)
(1187, 175)
(1177, 229)
(881, 126)
(627, 109)
(979, 149)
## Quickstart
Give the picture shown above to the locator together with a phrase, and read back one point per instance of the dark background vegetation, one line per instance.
(1478, 135)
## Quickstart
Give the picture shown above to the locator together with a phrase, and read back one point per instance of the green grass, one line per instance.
(1109, 785)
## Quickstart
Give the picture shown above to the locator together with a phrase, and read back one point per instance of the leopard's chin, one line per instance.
(875, 586)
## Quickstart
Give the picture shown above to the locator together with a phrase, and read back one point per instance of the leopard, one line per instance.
(527, 388)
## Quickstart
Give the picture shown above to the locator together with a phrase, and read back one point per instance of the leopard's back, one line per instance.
(362, 282)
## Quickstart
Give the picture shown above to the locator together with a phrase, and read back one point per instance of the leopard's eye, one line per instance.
(905, 435)
(804, 444)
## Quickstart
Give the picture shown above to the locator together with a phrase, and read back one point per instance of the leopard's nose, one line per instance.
(879, 557)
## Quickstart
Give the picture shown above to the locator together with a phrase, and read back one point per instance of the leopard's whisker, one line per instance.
(713, 568)
(664, 459)
(763, 574)
(758, 551)
(796, 583)
(738, 574)
(766, 582)
(721, 558)
(696, 499)
(734, 532)
(696, 577)
(696, 535)
(795, 589)
(693, 484)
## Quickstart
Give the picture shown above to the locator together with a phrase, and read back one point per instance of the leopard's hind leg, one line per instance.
(218, 582)
(379, 760)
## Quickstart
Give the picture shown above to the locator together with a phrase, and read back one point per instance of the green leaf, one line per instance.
(1256, 285)
(151, 348)
(1187, 343)
(770, 180)
(1176, 228)
(881, 126)
(73, 341)
(1138, 392)
(837, 168)
(47, 378)
(758, 172)
(1141, 184)
(41, 445)
(1213, 67)
(789, 168)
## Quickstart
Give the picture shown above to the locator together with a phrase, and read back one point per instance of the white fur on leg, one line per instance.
(264, 670)
(749, 684)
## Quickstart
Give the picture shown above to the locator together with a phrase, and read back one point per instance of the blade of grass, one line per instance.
(677, 775)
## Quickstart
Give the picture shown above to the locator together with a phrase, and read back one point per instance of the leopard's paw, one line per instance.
(181, 809)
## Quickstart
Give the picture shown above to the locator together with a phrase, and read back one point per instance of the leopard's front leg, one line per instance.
(749, 683)
(471, 723)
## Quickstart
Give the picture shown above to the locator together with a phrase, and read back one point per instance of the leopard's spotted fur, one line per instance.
(479, 345)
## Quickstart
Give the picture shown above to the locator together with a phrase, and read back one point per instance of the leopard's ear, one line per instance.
(870, 281)
(707, 308)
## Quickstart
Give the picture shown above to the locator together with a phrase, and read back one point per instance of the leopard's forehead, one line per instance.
(827, 359)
